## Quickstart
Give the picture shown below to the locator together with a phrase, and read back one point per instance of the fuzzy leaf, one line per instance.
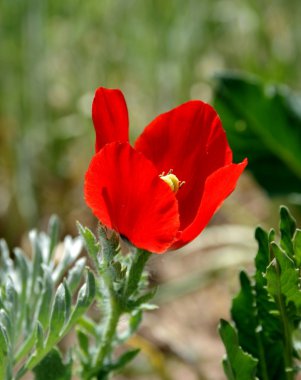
(4, 352)
(53, 233)
(45, 299)
(84, 298)
(91, 243)
(72, 249)
(238, 365)
(109, 245)
(57, 316)
(75, 274)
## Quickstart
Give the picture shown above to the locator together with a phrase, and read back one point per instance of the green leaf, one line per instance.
(4, 352)
(52, 367)
(141, 301)
(262, 258)
(72, 249)
(287, 230)
(37, 271)
(53, 233)
(44, 307)
(238, 365)
(263, 123)
(297, 247)
(83, 341)
(139, 260)
(75, 274)
(39, 337)
(6, 263)
(243, 312)
(84, 299)
(124, 359)
(283, 278)
(109, 245)
(57, 316)
(91, 243)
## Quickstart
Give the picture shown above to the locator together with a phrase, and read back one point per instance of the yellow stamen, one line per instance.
(172, 181)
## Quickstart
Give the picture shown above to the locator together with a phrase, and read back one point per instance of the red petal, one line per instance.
(190, 140)
(219, 185)
(125, 193)
(110, 117)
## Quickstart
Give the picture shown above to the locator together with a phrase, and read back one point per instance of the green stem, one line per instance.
(108, 333)
(262, 361)
(288, 349)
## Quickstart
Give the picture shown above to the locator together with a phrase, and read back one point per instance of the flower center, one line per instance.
(172, 181)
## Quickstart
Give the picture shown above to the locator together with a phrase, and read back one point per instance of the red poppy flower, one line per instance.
(132, 190)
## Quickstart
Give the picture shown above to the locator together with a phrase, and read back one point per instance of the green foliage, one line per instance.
(52, 367)
(36, 309)
(267, 309)
(263, 123)
(238, 365)
(44, 296)
(122, 290)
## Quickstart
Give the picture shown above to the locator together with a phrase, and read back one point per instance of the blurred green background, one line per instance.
(160, 53)
(55, 53)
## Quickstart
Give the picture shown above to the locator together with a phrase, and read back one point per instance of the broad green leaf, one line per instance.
(287, 230)
(238, 365)
(263, 123)
(262, 258)
(52, 367)
(283, 278)
(243, 312)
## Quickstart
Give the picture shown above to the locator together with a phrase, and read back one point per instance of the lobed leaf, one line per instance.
(238, 365)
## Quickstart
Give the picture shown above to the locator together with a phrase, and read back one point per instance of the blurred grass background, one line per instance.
(160, 53)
